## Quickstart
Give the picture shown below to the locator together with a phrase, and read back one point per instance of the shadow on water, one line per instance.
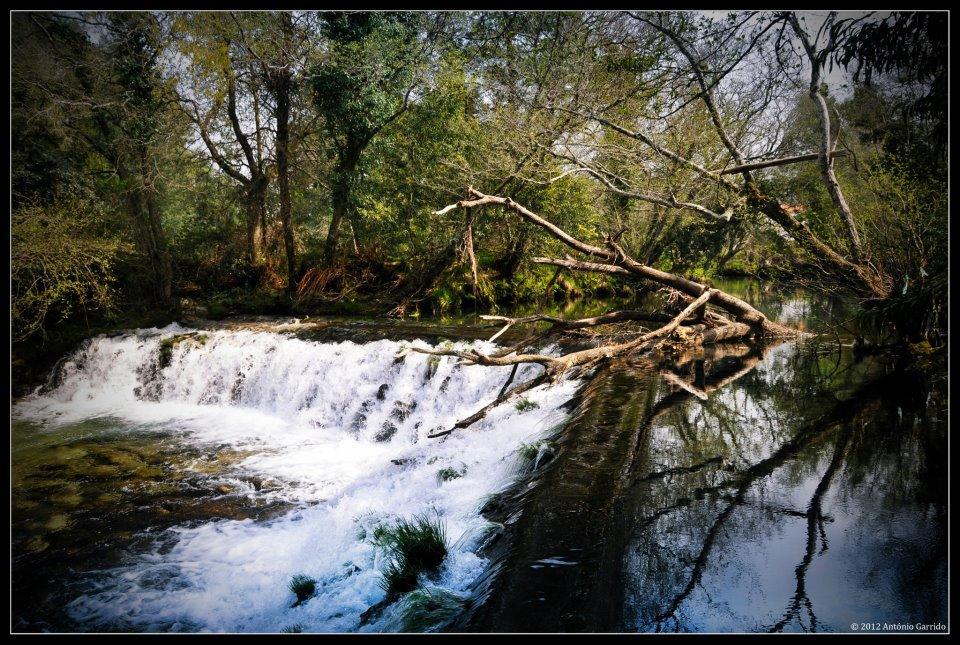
(791, 488)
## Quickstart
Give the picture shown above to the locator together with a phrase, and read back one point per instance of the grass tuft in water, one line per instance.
(292, 629)
(449, 473)
(534, 455)
(414, 547)
(303, 587)
(428, 610)
(525, 404)
(529, 451)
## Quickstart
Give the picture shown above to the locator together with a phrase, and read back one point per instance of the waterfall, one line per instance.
(342, 426)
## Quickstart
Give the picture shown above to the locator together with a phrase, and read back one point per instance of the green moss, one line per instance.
(414, 547)
(433, 363)
(167, 345)
(303, 588)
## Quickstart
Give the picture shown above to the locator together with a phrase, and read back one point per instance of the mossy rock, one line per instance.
(167, 345)
(57, 522)
(429, 610)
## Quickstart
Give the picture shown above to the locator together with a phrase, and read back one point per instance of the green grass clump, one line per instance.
(449, 473)
(427, 610)
(303, 587)
(525, 404)
(529, 451)
(414, 547)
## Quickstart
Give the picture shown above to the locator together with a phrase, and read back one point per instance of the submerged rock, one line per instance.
(401, 411)
(57, 522)
(387, 430)
(360, 418)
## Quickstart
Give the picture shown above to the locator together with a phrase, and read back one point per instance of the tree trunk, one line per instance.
(255, 198)
(153, 241)
(282, 90)
(340, 197)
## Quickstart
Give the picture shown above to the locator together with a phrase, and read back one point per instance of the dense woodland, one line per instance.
(422, 163)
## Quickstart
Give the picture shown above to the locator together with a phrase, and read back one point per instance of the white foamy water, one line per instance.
(341, 426)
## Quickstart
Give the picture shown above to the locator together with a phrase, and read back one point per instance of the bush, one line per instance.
(61, 262)
(525, 404)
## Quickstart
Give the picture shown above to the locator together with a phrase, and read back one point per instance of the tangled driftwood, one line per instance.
(695, 324)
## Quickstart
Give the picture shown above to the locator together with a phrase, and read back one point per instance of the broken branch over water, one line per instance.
(693, 325)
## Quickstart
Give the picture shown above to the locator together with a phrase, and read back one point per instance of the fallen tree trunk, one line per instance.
(693, 325)
(556, 366)
(618, 262)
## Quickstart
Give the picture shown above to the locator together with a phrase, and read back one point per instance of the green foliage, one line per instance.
(393, 115)
(913, 45)
(413, 547)
(62, 261)
(357, 90)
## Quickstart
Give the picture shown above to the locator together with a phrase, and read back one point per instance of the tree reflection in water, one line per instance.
(737, 489)
(860, 433)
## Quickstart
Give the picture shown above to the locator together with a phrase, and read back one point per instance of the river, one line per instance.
(179, 487)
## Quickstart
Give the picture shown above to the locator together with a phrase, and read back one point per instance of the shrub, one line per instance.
(61, 262)
(449, 473)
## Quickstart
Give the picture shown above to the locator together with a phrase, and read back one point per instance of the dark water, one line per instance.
(794, 487)
(790, 488)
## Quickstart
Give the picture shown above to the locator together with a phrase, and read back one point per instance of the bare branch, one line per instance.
(813, 156)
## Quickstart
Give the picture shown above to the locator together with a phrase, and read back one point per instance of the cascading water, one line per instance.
(340, 427)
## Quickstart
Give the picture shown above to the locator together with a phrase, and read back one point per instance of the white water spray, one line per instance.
(342, 426)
